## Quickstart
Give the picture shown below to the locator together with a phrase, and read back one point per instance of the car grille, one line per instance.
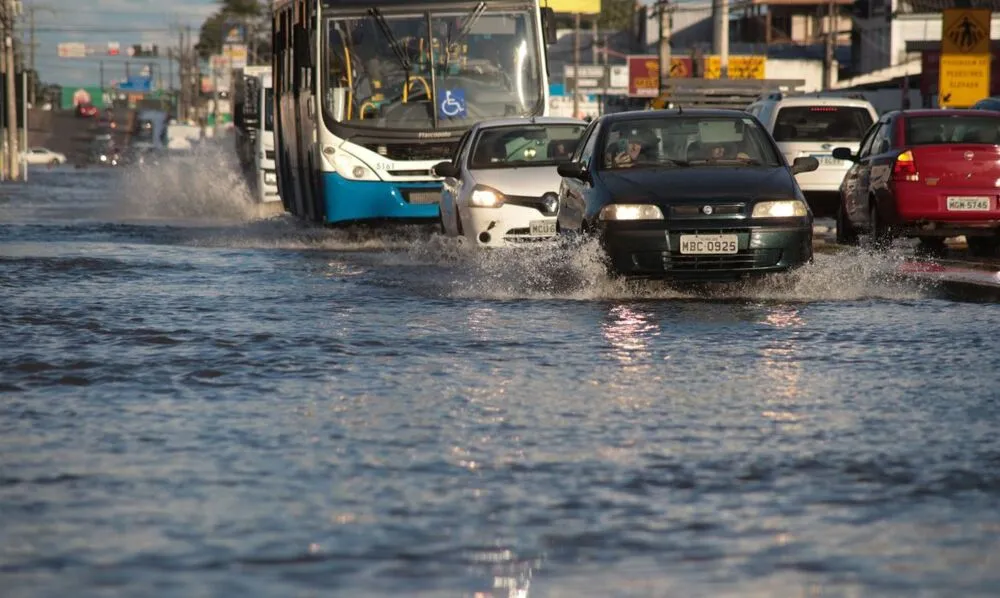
(523, 235)
(695, 210)
(670, 261)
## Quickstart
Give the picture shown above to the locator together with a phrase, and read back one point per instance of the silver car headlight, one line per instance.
(630, 211)
(785, 208)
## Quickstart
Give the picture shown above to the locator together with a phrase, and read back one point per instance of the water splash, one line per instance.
(577, 270)
(205, 185)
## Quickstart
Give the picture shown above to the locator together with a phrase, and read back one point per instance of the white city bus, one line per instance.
(370, 94)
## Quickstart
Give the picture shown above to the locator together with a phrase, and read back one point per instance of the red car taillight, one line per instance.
(905, 168)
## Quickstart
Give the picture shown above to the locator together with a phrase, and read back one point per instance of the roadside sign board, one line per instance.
(234, 33)
(236, 54)
(72, 50)
(739, 67)
(930, 74)
(592, 79)
(965, 62)
(643, 76)
(964, 80)
(965, 31)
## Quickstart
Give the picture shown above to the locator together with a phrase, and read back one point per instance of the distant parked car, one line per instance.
(86, 110)
(813, 126)
(929, 174)
(41, 155)
(992, 103)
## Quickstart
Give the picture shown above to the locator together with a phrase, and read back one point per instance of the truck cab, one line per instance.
(253, 110)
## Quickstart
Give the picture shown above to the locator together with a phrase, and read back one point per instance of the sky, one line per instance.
(97, 22)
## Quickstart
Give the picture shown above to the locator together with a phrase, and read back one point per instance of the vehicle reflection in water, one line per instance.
(781, 367)
(511, 576)
(629, 330)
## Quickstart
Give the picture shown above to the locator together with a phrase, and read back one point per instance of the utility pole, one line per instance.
(576, 65)
(831, 32)
(720, 17)
(665, 57)
(215, 101)
(10, 98)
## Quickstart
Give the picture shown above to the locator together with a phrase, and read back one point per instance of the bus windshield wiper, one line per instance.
(397, 48)
(467, 23)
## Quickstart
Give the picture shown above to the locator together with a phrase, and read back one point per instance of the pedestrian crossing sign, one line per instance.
(965, 31)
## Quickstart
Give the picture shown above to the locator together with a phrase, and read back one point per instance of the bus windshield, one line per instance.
(415, 70)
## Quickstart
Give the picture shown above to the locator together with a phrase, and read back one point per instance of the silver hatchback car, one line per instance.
(501, 188)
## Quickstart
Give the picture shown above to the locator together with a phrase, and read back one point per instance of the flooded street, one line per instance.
(200, 402)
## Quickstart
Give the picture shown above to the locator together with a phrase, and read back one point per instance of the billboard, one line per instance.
(74, 96)
(643, 76)
(72, 50)
(584, 7)
(236, 55)
(234, 33)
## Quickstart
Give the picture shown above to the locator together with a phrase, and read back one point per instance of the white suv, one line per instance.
(812, 126)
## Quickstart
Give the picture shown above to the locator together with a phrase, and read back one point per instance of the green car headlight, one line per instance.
(786, 208)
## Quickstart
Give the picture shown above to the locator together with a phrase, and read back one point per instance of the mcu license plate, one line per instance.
(827, 160)
(968, 204)
(542, 228)
(709, 244)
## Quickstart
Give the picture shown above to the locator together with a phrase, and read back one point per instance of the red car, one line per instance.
(86, 110)
(930, 174)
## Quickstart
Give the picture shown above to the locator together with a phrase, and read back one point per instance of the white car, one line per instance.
(41, 155)
(813, 126)
(501, 188)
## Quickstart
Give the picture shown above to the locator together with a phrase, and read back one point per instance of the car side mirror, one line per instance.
(572, 170)
(844, 153)
(446, 170)
(549, 25)
(804, 164)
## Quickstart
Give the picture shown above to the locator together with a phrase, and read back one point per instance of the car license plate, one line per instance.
(827, 160)
(542, 228)
(968, 204)
(709, 244)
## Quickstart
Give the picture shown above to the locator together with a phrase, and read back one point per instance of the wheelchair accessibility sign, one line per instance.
(452, 104)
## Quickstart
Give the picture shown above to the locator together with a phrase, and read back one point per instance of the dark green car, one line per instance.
(687, 195)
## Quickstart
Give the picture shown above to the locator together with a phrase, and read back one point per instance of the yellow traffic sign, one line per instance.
(963, 80)
(965, 31)
(740, 67)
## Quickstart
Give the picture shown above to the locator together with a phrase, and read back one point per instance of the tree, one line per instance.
(250, 12)
(616, 14)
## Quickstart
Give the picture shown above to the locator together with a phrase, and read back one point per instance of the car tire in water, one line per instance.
(983, 246)
(880, 236)
(846, 233)
(54, 162)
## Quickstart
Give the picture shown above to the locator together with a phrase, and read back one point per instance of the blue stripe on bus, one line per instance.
(372, 200)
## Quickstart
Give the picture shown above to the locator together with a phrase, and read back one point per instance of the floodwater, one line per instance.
(198, 402)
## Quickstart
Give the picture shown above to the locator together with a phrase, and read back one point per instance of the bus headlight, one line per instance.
(348, 166)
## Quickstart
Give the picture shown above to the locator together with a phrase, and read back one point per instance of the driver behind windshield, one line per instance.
(639, 147)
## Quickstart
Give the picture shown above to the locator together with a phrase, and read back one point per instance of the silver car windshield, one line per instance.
(519, 146)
